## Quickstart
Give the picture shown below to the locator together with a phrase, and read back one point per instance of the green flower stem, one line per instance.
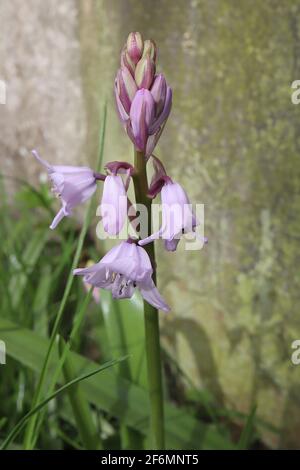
(151, 318)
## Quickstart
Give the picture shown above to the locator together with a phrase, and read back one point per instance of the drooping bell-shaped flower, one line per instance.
(72, 184)
(177, 214)
(114, 201)
(134, 78)
(113, 204)
(125, 267)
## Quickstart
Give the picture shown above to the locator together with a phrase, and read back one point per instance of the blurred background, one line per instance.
(232, 140)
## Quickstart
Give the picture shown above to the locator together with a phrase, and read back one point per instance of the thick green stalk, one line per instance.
(151, 318)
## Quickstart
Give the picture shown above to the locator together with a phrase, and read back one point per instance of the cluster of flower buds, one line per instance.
(143, 97)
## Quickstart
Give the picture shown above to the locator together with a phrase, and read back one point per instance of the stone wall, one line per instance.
(232, 140)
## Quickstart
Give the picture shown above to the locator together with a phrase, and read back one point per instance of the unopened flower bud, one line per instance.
(143, 99)
(159, 91)
(126, 87)
(135, 45)
(144, 72)
(127, 62)
(142, 113)
(150, 49)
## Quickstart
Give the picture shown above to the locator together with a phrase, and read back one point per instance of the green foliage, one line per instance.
(116, 396)
(248, 431)
(70, 385)
(34, 270)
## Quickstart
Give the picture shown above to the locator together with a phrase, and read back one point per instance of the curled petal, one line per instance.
(122, 168)
(41, 160)
(171, 245)
(59, 216)
(94, 275)
(151, 294)
(119, 167)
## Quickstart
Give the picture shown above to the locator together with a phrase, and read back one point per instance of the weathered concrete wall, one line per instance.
(232, 139)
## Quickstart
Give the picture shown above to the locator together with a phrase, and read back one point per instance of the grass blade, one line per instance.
(247, 433)
(113, 394)
(19, 426)
(90, 436)
(78, 318)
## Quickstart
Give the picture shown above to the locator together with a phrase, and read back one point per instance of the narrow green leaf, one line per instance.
(248, 431)
(19, 426)
(124, 324)
(68, 440)
(30, 257)
(89, 435)
(113, 394)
